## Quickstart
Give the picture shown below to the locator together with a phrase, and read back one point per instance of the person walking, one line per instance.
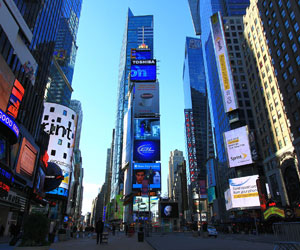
(99, 230)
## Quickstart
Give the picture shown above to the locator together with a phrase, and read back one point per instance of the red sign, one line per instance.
(4, 186)
(15, 99)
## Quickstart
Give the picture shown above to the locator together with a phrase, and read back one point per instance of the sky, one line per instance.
(95, 80)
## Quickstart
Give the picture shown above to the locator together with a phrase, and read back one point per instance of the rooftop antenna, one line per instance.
(143, 45)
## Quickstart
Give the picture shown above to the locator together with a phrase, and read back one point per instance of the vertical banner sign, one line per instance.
(237, 147)
(224, 69)
(210, 168)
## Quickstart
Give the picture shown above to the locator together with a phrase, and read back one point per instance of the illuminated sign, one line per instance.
(210, 169)
(143, 70)
(146, 171)
(146, 150)
(140, 54)
(224, 70)
(8, 122)
(191, 146)
(169, 210)
(211, 194)
(59, 191)
(146, 98)
(15, 99)
(274, 211)
(146, 129)
(242, 193)
(141, 204)
(237, 147)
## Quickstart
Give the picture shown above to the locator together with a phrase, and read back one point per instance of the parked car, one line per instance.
(212, 231)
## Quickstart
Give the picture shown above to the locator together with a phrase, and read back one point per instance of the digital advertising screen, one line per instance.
(15, 99)
(5, 87)
(146, 129)
(242, 193)
(143, 70)
(169, 210)
(223, 65)
(146, 171)
(146, 98)
(39, 182)
(210, 169)
(237, 147)
(146, 150)
(140, 54)
(141, 204)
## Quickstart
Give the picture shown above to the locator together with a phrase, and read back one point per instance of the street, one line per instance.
(172, 241)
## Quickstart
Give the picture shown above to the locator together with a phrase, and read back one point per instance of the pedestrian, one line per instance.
(114, 228)
(99, 230)
(126, 229)
(75, 231)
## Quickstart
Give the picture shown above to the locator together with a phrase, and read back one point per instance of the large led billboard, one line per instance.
(242, 193)
(143, 70)
(15, 99)
(141, 204)
(146, 150)
(169, 210)
(146, 98)
(223, 65)
(126, 138)
(146, 129)
(237, 147)
(60, 123)
(210, 169)
(146, 171)
(141, 54)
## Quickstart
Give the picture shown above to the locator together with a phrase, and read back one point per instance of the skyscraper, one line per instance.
(138, 30)
(59, 89)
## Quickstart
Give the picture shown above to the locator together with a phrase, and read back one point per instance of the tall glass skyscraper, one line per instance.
(59, 88)
(138, 30)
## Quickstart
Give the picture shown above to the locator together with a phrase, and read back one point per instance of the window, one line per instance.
(283, 46)
(271, 107)
(275, 42)
(272, 32)
(280, 34)
(294, 47)
(281, 64)
(296, 116)
(296, 27)
(273, 90)
(52, 109)
(59, 142)
(65, 112)
(283, 13)
(294, 81)
(69, 144)
(58, 119)
(288, 4)
(65, 156)
(298, 60)
(278, 52)
(46, 117)
(276, 24)
(287, 58)
(292, 15)
(298, 95)
(285, 76)
(279, 3)
(286, 141)
(291, 69)
(274, 14)
(286, 23)
(290, 35)
(53, 152)
(280, 144)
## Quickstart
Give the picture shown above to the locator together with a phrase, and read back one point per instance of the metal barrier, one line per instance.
(287, 235)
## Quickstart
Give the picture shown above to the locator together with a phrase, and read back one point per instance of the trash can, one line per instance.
(140, 236)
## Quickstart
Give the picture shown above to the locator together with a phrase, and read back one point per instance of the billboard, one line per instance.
(210, 168)
(27, 159)
(169, 210)
(146, 98)
(126, 138)
(146, 150)
(242, 193)
(60, 123)
(237, 147)
(146, 171)
(143, 70)
(15, 99)
(211, 194)
(223, 65)
(140, 54)
(141, 204)
(5, 85)
(146, 129)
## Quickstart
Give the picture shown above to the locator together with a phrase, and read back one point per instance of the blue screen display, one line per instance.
(142, 54)
(59, 191)
(143, 71)
(146, 150)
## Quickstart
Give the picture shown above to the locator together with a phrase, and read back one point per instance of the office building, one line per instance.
(176, 158)
(138, 30)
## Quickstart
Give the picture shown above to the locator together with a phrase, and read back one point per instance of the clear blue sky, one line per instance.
(95, 80)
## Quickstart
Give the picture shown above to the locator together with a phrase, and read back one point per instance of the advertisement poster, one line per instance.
(146, 171)
(169, 210)
(243, 192)
(146, 98)
(146, 150)
(126, 138)
(146, 129)
(141, 204)
(210, 168)
(237, 147)
(224, 69)
(211, 194)
(143, 70)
